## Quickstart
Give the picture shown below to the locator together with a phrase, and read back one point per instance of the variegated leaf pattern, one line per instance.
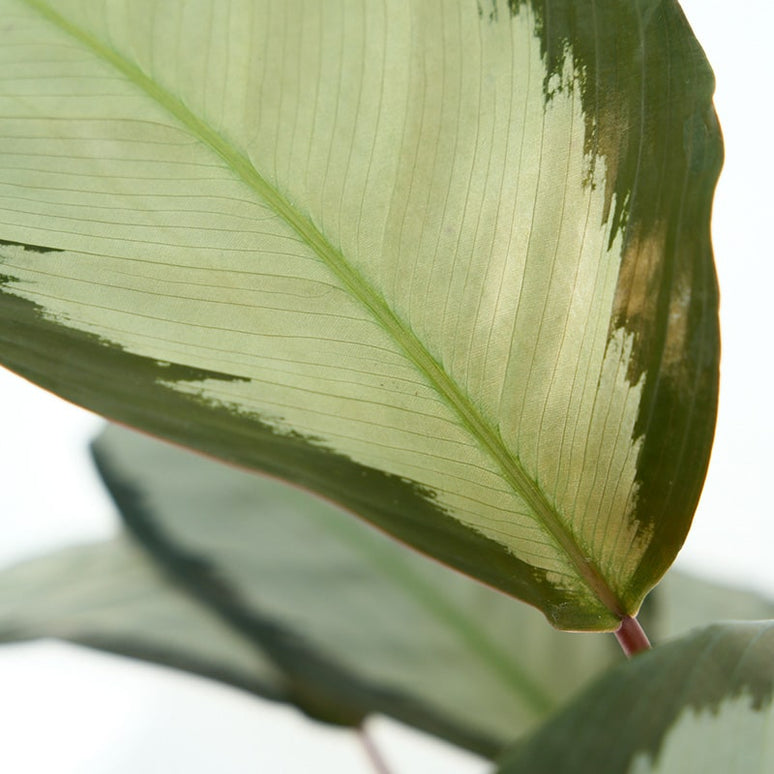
(698, 705)
(446, 263)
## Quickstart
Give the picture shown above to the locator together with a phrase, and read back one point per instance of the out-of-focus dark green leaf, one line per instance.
(335, 603)
(343, 621)
(699, 705)
(114, 597)
(352, 621)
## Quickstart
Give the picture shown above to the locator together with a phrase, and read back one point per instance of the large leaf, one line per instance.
(446, 263)
(350, 621)
(699, 705)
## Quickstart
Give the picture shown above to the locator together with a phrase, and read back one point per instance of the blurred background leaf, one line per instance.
(238, 577)
(698, 705)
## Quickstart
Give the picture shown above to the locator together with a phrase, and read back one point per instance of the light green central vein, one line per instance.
(415, 350)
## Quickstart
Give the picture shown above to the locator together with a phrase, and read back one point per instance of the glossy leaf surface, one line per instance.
(699, 705)
(445, 263)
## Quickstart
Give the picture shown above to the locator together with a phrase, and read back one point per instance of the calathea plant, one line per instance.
(444, 264)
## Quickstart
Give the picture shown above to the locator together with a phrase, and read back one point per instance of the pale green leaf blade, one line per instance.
(113, 597)
(698, 705)
(445, 263)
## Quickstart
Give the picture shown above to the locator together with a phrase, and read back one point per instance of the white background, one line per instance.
(70, 711)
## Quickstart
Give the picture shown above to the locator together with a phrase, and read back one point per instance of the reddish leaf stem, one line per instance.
(372, 752)
(631, 637)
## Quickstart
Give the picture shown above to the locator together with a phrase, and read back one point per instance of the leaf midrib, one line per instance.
(486, 436)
